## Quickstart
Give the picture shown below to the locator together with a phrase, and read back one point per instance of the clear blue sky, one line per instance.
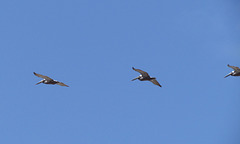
(91, 45)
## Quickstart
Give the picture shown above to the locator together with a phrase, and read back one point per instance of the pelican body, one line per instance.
(142, 78)
(145, 77)
(236, 71)
(48, 80)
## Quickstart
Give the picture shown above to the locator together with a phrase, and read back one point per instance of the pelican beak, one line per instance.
(135, 78)
(39, 82)
(228, 74)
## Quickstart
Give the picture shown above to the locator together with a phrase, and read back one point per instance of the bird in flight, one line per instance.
(48, 80)
(236, 71)
(145, 77)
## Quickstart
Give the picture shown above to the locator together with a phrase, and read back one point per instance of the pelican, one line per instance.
(145, 77)
(236, 71)
(48, 80)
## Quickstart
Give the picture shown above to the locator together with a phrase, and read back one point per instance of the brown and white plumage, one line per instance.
(145, 77)
(236, 71)
(48, 80)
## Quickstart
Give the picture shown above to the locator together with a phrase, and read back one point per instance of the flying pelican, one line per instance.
(145, 77)
(236, 71)
(48, 80)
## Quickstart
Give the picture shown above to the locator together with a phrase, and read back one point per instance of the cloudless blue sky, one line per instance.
(91, 46)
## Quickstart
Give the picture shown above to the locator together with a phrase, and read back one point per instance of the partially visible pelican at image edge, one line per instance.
(236, 71)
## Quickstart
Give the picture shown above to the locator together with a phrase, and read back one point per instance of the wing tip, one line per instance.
(35, 73)
(62, 84)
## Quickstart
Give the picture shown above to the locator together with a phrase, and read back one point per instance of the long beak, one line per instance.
(135, 78)
(39, 82)
(228, 74)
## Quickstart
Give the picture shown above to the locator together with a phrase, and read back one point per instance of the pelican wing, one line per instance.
(143, 73)
(42, 76)
(234, 67)
(62, 84)
(154, 81)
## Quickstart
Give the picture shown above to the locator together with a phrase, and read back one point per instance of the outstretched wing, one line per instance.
(143, 73)
(234, 67)
(154, 81)
(62, 84)
(42, 76)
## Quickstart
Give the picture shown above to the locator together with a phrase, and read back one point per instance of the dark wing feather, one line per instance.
(143, 73)
(62, 84)
(234, 67)
(42, 76)
(154, 81)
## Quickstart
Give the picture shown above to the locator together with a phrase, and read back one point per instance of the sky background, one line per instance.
(91, 45)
